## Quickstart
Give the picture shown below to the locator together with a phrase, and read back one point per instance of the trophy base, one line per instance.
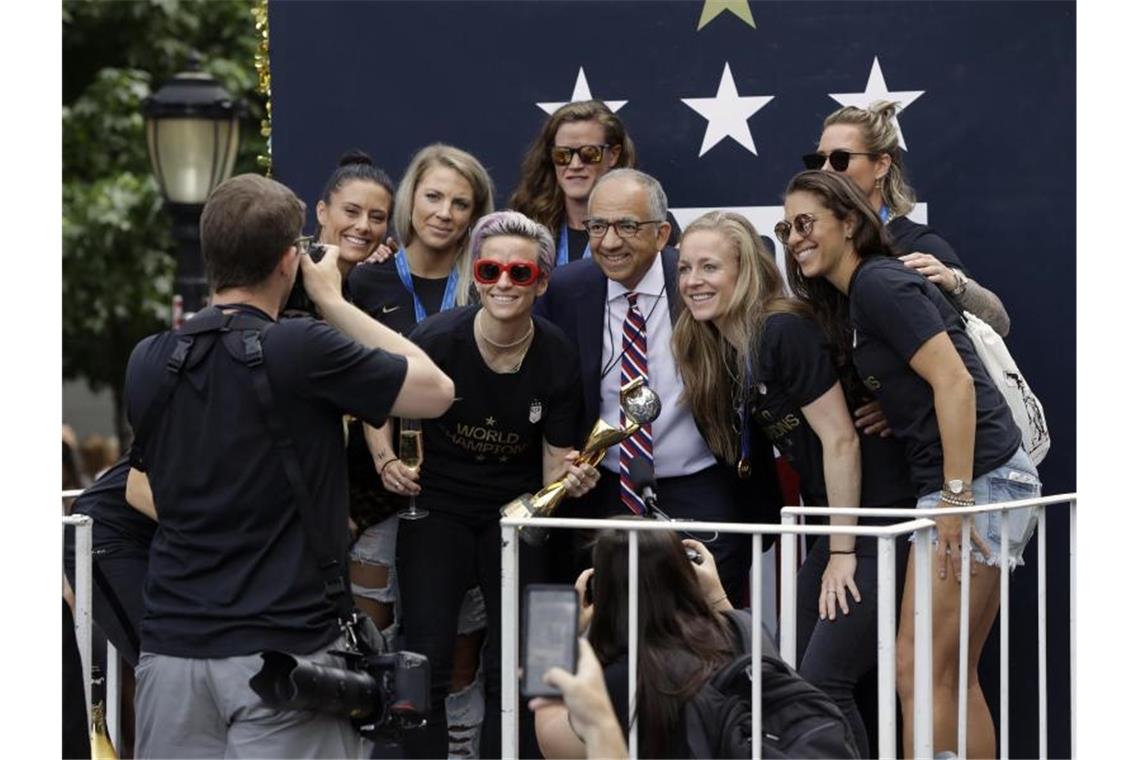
(523, 507)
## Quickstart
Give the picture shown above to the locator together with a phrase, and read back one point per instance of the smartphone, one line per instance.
(550, 635)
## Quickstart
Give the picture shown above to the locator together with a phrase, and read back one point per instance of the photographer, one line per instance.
(232, 569)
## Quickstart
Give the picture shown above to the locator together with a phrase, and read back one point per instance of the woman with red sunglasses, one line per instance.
(510, 431)
(577, 145)
(863, 143)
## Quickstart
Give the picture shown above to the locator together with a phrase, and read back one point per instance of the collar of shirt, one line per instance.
(652, 284)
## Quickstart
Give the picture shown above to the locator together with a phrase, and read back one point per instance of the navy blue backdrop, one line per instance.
(989, 126)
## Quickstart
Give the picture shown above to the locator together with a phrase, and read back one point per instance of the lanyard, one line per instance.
(405, 273)
(744, 466)
(884, 214)
(564, 248)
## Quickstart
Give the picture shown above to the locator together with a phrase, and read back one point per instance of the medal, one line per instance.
(744, 468)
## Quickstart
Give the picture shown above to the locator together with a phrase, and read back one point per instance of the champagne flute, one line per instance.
(411, 453)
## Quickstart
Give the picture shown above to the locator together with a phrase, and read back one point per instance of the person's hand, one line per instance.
(932, 269)
(397, 477)
(870, 419)
(584, 694)
(579, 478)
(585, 609)
(382, 253)
(838, 581)
(322, 280)
(707, 576)
(948, 548)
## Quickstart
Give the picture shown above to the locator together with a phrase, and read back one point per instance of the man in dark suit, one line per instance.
(619, 307)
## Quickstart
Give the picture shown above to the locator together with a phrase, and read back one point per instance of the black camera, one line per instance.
(299, 300)
(383, 694)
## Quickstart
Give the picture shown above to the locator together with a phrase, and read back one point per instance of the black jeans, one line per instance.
(436, 559)
(835, 654)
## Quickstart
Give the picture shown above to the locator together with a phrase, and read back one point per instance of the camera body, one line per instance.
(383, 694)
(299, 300)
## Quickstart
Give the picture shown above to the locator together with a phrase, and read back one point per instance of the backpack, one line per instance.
(797, 719)
(1028, 414)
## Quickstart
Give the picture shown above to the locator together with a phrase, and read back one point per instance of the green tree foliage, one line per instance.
(117, 249)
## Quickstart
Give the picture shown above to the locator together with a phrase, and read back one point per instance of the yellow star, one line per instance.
(714, 8)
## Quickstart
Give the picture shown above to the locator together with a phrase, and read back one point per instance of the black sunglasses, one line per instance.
(562, 155)
(802, 224)
(840, 159)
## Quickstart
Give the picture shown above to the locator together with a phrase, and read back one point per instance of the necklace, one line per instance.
(504, 349)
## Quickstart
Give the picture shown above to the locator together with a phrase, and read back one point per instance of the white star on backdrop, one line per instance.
(727, 113)
(877, 90)
(581, 92)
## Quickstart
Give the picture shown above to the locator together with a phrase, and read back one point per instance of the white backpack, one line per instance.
(1027, 410)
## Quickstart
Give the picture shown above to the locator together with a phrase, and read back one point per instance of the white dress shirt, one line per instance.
(678, 448)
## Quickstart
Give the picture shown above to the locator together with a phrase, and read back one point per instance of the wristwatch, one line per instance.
(955, 487)
(959, 283)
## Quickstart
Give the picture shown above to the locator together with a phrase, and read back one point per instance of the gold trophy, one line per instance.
(641, 406)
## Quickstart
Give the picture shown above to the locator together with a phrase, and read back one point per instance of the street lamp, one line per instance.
(192, 134)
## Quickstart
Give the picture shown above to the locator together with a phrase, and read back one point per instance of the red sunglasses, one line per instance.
(521, 273)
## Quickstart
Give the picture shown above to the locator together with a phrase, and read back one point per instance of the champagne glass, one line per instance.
(411, 453)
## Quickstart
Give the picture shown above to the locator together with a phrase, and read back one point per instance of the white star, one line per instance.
(581, 92)
(728, 113)
(877, 90)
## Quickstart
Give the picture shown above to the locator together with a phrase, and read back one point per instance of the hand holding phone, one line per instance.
(550, 635)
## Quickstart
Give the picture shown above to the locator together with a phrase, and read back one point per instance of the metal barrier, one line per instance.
(84, 622)
(886, 633)
(922, 663)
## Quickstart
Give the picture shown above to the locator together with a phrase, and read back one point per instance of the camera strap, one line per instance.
(215, 324)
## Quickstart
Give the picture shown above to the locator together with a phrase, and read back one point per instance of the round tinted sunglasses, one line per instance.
(802, 224)
(562, 155)
(521, 273)
(840, 159)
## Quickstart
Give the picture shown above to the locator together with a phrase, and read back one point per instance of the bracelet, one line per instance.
(387, 462)
(956, 501)
(841, 551)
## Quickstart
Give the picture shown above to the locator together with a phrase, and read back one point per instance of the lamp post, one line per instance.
(192, 135)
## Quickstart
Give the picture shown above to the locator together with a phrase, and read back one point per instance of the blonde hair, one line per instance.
(704, 354)
(468, 167)
(879, 135)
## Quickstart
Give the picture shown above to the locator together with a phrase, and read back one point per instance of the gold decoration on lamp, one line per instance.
(641, 406)
(264, 86)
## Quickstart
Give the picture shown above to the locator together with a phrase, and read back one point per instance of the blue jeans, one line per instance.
(1014, 480)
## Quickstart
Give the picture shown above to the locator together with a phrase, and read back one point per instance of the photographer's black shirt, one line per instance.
(894, 311)
(793, 368)
(231, 570)
(487, 448)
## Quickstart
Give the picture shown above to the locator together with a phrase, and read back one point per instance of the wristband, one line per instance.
(387, 462)
(841, 551)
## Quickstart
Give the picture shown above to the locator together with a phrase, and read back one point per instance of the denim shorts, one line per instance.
(377, 546)
(1016, 479)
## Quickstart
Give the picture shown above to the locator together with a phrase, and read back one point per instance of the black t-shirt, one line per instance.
(105, 501)
(231, 569)
(794, 367)
(894, 311)
(911, 237)
(487, 448)
(378, 290)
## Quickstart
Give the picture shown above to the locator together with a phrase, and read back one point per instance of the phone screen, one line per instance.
(550, 635)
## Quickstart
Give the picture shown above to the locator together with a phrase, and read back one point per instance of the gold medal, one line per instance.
(744, 468)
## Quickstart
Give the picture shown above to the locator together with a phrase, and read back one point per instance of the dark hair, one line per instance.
(538, 194)
(840, 195)
(682, 641)
(353, 165)
(248, 223)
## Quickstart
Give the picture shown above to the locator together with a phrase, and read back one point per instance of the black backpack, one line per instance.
(798, 720)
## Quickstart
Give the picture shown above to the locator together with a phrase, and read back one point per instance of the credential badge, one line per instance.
(535, 411)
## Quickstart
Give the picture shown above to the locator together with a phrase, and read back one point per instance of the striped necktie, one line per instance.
(634, 364)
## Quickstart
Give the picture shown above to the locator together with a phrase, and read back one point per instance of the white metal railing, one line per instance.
(84, 604)
(922, 664)
(886, 632)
